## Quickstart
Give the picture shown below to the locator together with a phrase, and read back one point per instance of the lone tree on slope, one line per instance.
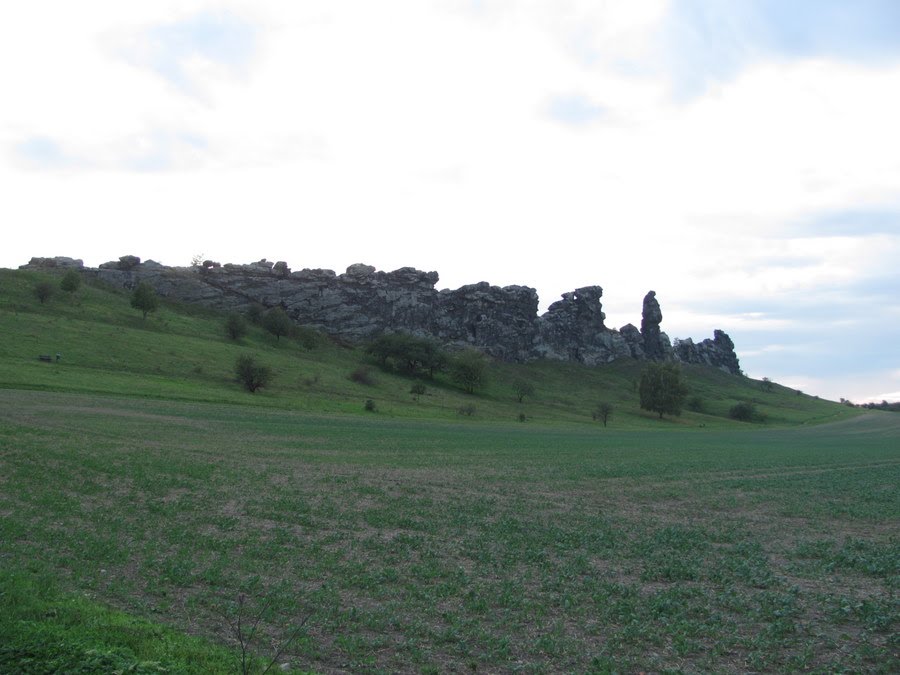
(277, 322)
(144, 299)
(70, 282)
(662, 390)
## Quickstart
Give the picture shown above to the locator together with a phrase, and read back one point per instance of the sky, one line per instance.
(740, 158)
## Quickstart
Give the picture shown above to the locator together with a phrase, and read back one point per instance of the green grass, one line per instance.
(143, 493)
(181, 352)
(430, 545)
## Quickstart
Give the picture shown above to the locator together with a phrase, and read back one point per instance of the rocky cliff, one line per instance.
(363, 303)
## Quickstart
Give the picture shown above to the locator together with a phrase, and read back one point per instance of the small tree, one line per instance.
(523, 388)
(662, 390)
(235, 326)
(603, 412)
(766, 385)
(745, 411)
(277, 322)
(144, 299)
(43, 291)
(469, 370)
(70, 282)
(251, 374)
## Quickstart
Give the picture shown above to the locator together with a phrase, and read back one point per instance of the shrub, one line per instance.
(362, 375)
(418, 389)
(277, 322)
(469, 370)
(523, 388)
(744, 411)
(370, 405)
(144, 299)
(766, 385)
(522, 417)
(696, 404)
(43, 291)
(603, 412)
(70, 282)
(467, 410)
(408, 354)
(255, 313)
(308, 338)
(251, 374)
(235, 326)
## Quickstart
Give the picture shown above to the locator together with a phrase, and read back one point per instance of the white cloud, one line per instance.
(418, 134)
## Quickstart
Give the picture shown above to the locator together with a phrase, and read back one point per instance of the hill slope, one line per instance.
(181, 352)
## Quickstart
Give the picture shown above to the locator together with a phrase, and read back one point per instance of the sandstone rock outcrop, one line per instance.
(363, 303)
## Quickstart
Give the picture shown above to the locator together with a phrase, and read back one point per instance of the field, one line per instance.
(148, 503)
(435, 546)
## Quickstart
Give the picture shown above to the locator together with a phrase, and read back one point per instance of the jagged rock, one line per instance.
(59, 261)
(633, 339)
(718, 352)
(363, 303)
(573, 330)
(651, 316)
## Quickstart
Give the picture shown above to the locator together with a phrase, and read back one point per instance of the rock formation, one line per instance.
(363, 303)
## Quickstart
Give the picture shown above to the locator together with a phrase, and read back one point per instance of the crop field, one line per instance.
(447, 545)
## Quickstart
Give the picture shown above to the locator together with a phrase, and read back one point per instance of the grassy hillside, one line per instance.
(181, 352)
(144, 496)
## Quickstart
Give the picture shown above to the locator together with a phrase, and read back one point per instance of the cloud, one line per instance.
(707, 41)
(181, 50)
(574, 110)
(855, 222)
(155, 150)
(40, 152)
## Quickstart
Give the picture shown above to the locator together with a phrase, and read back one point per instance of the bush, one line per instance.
(370, 405)
(362, 375)
(251, 374)
(144, 299)
(408, 354)
(235, 326)
(745, 411)
(469, 370)
(43, 291)
(467, 410)
(277, 322)
(70, 282)
(418, 389)
(696, 404)
(603, 412)
(523, 388)
(255, 313)
(308, 338)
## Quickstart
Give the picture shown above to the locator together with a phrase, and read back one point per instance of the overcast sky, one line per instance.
(740, 157)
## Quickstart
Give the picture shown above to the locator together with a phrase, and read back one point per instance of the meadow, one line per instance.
(146, 501)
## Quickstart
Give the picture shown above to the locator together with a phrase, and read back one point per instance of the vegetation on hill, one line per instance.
(368, 511)
(189, 353)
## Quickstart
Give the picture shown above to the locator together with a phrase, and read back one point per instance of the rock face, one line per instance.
(363, 303)
(655, 343)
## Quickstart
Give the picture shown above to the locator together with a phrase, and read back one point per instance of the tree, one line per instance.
(144, 299)
(251, 374)
(523, 388)
(70, 282)
(407, 354)
(744, 411)
(44, 291)
(661, 389)
(277, 322)
(235, 326)
(603, 412)
(766, 385)
(469, 370)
